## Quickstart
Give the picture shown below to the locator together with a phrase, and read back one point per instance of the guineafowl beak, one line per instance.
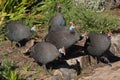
(62, 50)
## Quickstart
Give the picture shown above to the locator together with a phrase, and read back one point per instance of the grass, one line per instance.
(7, 71)
(3, 56)
(26, 68)
(39, 12)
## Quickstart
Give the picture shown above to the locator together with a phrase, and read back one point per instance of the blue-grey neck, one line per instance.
(109, 37)
(59, 9)
(60, 52)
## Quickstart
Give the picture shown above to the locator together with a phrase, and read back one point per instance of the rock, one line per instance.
(55, 77)
(115, 44)
(83, 62)
(91, 4)
(114, 4)
(105, 73)
(27, 46)
(63, 74)
(68, 74)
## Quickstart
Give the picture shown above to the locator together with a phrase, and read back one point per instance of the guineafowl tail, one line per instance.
(23, 42)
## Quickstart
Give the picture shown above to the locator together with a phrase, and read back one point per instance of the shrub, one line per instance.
(89, 20)
(38, 13)
(97, 22)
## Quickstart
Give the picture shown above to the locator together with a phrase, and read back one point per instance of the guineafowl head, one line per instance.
(62, 51)
(72, 26)
(72, 23)
(84, 35)
(59, 7)
(33, 29)
(109, 35)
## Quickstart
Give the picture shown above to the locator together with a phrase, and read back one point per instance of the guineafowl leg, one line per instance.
(89, 60)
(98, 59)
(44, 66)
(13, 44)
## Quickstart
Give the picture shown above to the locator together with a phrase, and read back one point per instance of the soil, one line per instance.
(32, 71)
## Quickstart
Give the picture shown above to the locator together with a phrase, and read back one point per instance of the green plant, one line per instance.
(4, 56)
(26, 68)
(7, 73)
(38, 12)
(88, 19)
(97, 22)
(15, 9)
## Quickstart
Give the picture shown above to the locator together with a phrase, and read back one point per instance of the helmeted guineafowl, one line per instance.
(18, 32)
(97, 44)
(44, 52)
(62, 37)
(57, 21)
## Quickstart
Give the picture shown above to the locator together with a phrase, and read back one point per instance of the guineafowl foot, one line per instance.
(18, 44)
(109, 64)
(106, 61)
(13, 44)
(97, 59)
(48, 73)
